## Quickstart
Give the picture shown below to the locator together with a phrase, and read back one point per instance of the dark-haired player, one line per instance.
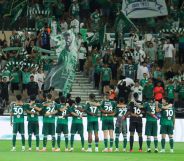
(33, 125)
(76, 110)
(17, 120)
(121, 124)
(92, 110)
(136, 114)
(62, 122)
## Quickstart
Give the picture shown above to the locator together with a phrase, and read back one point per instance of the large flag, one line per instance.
(144, 8)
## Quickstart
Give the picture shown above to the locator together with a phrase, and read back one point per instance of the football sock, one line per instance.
(156, 142)
(72, 140)
(117, 141)
(105, 142)
(111, 142)
(23, 139)
(58, 140)
(131, 142)
(140, 142)
(29, 140)
(148, 143)
(163, 143)
(14, 140)
(82, 140)
(37, 141)
(171, 142)
(124, 141)
(96, 142)
(53, 141)
(89, 145)
(66, 141)
(44, 141)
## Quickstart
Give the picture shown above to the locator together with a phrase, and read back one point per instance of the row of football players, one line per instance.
(106, 110)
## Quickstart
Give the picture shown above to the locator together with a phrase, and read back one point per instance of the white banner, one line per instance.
(144, 8)
(6, 129)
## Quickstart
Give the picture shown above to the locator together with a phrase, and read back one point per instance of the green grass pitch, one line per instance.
(6, 155)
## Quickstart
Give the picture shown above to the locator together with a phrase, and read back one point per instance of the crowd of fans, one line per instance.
(153, 68)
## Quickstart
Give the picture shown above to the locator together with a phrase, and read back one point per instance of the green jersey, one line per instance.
(32, 117)
(18, 113)
(150, 109)
(62, 116)
(143, 82)
(167, 117)
(15, 76)
(48, 107)
(94, 110)
(25, 77)
(108, 106)
(76, 120)
(180, 90)
(170, 91)
(148, 91)
(106, 74)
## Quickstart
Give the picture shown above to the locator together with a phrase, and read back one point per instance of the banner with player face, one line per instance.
(144, 8)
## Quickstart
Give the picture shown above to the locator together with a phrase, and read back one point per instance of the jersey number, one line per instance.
(18, 111)
(169, 114)
(137, 111)
(93, 109)
(108, 108)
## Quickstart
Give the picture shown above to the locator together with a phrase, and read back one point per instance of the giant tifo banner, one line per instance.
(144, 8)
(6, 129)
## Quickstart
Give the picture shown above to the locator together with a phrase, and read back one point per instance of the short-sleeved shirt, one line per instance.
(108, 106)
(167, 117)
(170, 91)
(32, 117)
(106, 74)
(18, 112)
(93, 109)
(74, 109)
(133, 108)
(15, 76)
(150, 108)
(62, 116)
(46, 108)
(121, 111)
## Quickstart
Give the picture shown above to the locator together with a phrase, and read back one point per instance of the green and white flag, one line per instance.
(144, 8)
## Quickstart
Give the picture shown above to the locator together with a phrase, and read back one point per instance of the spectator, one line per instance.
(106, 76)
(4, 90)
(82, 57)
(45, 37)
(148, 90)
(39, 78)
(74, 25)
(32, 87)
(169, 51)
(64, 25)
(158, 92)
(128, 70)
(141, 70)
(97, 71)
(137, 89)
(25, 78)
(170, 91)
(15, 80)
